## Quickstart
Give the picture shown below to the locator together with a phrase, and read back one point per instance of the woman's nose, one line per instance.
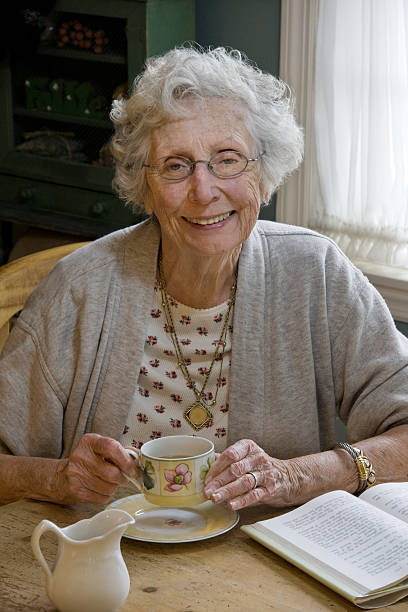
(203, 185)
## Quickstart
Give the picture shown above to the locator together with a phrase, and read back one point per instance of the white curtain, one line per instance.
(360, 197)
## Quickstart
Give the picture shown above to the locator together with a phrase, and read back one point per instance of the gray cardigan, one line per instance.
(312, 339)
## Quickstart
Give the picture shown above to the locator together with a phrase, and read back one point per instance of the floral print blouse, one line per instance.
(163, 392)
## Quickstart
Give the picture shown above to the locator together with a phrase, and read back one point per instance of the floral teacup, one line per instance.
(174, 469)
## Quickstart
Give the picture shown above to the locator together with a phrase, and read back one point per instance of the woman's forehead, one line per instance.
(211, 124)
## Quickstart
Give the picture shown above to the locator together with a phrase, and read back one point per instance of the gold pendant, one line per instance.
(197, 415)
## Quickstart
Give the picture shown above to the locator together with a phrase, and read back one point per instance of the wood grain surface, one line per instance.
(230, 572)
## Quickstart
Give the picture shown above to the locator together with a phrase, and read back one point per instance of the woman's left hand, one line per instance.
(278, 482)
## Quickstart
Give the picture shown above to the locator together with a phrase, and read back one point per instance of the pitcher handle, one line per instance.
(137, 482)
(39, 530)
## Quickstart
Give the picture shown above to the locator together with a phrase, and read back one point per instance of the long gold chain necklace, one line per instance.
(199, 413)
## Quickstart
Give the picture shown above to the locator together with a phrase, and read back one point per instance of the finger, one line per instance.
(77, 496)
(96, 470)
(83, 483)
(219, 481)
(109, 472)
(239, 487)
(80, 494)
(95, 487)
(111, 450)
(251, 463)
(85, 463)
(232, 454)
(247, 499)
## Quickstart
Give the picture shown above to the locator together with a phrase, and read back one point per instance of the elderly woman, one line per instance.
(203, 320)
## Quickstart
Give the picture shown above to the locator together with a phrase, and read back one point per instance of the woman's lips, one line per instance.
(209, 221)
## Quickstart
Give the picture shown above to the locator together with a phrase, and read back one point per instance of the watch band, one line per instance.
(366, 473)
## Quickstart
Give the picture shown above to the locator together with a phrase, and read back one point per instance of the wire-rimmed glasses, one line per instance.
(224, 164)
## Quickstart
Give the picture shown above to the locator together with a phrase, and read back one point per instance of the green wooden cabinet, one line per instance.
(67, 89)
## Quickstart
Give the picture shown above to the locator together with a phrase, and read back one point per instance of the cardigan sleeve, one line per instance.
(370, 358)
(31, 411)
(49, 359)
(313, 339)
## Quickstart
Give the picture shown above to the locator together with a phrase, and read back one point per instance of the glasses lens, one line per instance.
(173, 168)
(228, 163)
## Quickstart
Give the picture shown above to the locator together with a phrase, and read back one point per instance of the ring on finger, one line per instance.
(255, 477)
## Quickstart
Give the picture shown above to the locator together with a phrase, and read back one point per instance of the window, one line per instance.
(340, 58)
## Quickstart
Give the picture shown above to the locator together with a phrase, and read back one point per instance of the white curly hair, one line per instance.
(168, 80)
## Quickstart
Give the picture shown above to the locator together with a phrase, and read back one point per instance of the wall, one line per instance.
(252, 27)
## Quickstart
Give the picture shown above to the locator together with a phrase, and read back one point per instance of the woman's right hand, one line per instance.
(93, 471)
(90, 474)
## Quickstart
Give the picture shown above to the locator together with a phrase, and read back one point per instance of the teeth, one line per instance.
(208, 221)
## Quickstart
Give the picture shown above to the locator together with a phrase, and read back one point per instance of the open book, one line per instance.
(357, 546)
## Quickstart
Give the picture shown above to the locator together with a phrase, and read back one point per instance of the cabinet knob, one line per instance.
(26, 194)
(98, 209)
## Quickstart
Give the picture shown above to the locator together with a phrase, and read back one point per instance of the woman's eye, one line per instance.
(227, 158)
(229, 161)
(175, 165)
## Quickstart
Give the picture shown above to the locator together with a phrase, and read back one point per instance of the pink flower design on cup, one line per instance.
(177, 478)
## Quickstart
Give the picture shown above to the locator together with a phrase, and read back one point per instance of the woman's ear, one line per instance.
(264, 193)
(265, 196)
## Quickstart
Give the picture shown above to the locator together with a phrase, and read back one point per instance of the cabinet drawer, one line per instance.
(63, 206)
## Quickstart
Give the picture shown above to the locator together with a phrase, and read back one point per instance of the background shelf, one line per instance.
(107, 57)
(51, 116)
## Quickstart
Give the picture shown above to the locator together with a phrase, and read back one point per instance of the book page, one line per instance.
(392, 497)
(359, 540)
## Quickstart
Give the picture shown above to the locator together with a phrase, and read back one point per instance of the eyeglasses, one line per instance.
(225, 164)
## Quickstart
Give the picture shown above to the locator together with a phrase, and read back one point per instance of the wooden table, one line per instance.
(230, 572)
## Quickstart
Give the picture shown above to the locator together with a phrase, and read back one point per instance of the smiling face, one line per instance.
(204, 214)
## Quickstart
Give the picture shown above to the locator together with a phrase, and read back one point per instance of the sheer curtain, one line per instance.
(360, 195)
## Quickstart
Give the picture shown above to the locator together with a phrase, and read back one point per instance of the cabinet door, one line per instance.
(57, 97)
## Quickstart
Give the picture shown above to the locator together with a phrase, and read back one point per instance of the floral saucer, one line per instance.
(172, 525)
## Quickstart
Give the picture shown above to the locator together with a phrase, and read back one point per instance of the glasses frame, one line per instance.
(192, 165)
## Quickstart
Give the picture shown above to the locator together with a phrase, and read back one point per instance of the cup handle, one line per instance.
(137, 482)
(133, 453)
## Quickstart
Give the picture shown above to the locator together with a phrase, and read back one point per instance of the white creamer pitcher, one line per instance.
(89, 573)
